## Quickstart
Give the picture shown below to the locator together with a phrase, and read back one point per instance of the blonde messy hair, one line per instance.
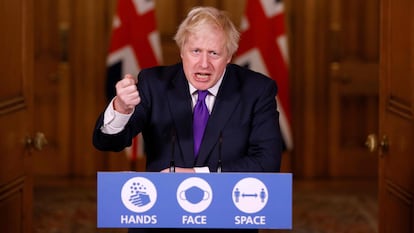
(200, 16)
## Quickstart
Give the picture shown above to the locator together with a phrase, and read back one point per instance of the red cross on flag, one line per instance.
(263, 48)
(135, 44)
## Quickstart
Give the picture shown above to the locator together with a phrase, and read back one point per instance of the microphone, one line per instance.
(172, 162)
(219, 160)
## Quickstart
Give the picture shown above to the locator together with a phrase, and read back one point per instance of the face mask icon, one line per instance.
(194, 195)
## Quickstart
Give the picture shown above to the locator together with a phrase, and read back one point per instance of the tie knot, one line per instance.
(202, 95)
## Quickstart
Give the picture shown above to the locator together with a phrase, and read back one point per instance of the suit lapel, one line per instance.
(180, 106)
(227, 99)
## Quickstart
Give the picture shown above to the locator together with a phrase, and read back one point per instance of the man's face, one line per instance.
(204, 57)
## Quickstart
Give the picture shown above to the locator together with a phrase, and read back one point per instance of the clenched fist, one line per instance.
(127, 96)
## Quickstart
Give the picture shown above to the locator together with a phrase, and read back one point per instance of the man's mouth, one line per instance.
(202, 76)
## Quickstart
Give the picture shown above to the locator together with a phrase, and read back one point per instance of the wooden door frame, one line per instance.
(16, 115)
(396, 131)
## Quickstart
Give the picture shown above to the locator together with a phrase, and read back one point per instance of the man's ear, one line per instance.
(229, 59)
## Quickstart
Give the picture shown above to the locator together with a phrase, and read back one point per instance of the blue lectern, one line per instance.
(196, 200)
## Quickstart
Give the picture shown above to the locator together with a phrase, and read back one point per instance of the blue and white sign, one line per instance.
(196, 200)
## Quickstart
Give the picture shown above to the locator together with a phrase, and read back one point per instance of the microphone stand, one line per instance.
(172, 162)
(220, 144)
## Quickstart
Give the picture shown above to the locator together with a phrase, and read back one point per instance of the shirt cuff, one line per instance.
(114, 122)
(201, 169)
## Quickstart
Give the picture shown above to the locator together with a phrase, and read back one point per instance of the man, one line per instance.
(242, 132)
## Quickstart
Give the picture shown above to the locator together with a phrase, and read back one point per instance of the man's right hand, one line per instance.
(127, 96)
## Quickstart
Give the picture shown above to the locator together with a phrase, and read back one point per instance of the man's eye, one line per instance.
(214, 54)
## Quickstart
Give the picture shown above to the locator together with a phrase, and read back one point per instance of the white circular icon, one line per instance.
(250, 195)
(139, 194)
(194, 195)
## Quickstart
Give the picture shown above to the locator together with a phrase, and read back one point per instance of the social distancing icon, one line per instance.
(250, 195)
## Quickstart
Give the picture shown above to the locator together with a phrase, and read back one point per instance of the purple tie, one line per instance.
(200, 118)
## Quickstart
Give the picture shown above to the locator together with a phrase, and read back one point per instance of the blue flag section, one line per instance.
(194, 200)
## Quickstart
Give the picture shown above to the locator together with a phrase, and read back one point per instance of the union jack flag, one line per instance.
(135, 44)
(263, 47)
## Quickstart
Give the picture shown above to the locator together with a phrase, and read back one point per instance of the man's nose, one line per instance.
(204, 60)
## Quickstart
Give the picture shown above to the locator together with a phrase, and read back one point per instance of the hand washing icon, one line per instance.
(194, 195)
(138, 194)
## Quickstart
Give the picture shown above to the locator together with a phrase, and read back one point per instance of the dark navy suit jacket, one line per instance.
(244, 118)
